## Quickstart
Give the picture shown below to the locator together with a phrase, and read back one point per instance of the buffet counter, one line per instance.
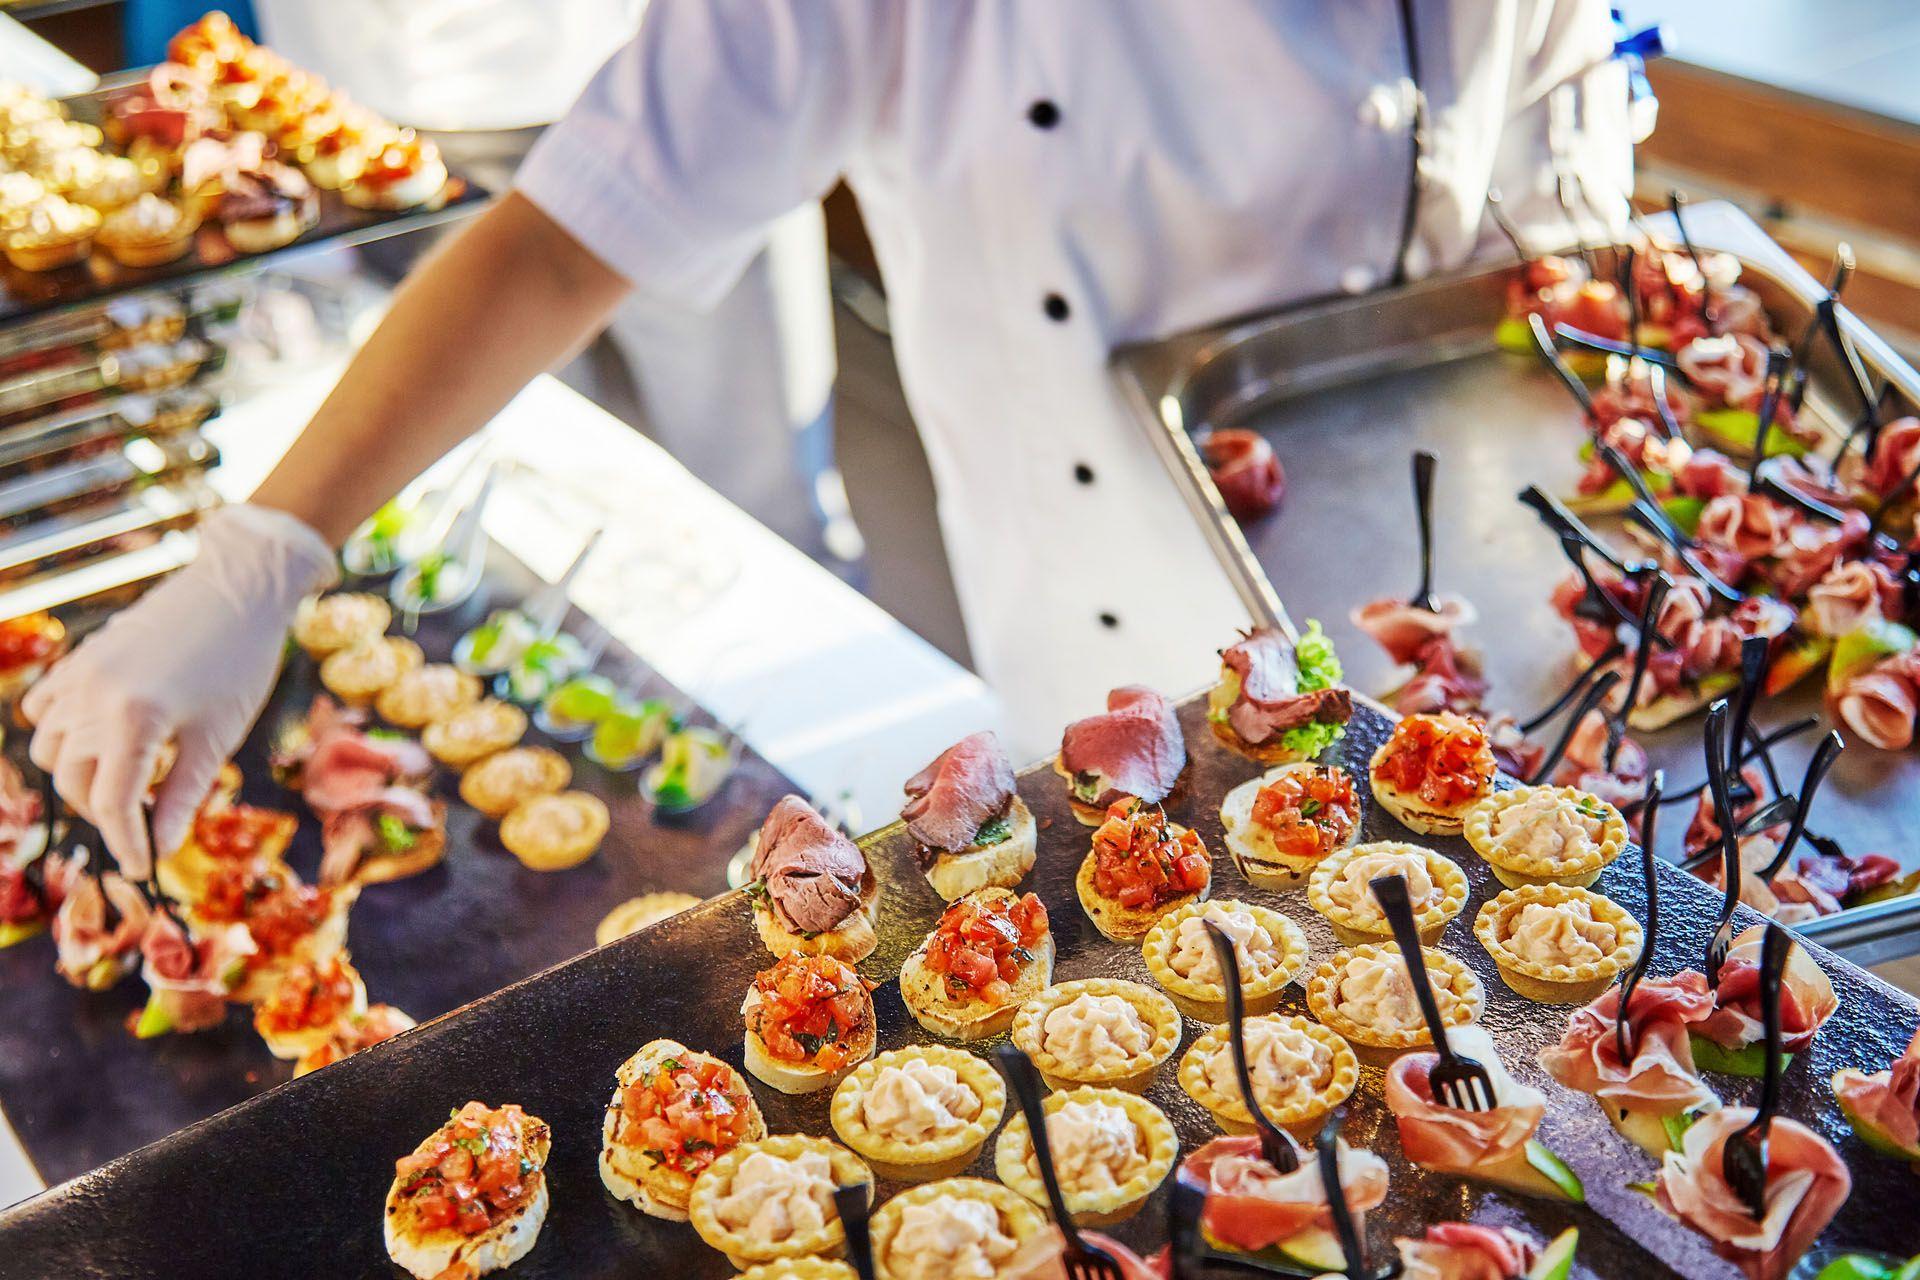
(840, 698)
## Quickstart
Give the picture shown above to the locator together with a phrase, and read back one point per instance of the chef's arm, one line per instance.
(508, 297)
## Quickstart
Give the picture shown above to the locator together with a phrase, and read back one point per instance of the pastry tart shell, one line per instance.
(1155, 1010)
(898, 1159)
(742, 1249)
(800, 1269)
(325, 625)
(357, 675)
(1555, 983)
(474, 732)
(1301, 1118)
(1352, 928)
(1019, 1219)
(1207, 1001)
(1377, 1045)
(1514, 869)
(425, 694)
(1102, 1208)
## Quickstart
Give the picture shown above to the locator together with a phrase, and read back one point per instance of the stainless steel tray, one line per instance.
(1346, 388)
(289, 1184)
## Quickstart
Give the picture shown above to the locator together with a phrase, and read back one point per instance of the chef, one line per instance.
(1042, 180)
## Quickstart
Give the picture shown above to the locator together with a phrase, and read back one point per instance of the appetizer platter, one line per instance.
(434, 882)
(210, 162)
(684, 1101)
(1343, 390)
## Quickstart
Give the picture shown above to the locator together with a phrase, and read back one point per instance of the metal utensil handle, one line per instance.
(1391, 893)
(1025, 1079)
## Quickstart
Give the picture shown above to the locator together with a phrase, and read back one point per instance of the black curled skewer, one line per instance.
(1276, 1148)
(1677, 206)
(1716, 745)
(1656, 597)
(1776, 372)
(1550, 356)
(1587, 675)
(1823, 757)
(1595, 694)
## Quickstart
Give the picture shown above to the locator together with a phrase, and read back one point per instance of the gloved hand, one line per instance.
(192, 663)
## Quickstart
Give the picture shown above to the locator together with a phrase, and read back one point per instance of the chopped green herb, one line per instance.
(1309, 807)
(395, 834)
(992, 832)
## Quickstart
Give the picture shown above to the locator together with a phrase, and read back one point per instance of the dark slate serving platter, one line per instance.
(290, 1184)
(79, 1090)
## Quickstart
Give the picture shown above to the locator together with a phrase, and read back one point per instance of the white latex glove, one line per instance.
(192, 662)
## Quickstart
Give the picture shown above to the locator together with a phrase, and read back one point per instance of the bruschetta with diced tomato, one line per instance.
(991, 952)
(674, 1112)
(472, 1197)
(809, 1022)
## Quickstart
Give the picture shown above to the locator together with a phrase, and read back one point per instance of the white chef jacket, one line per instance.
(1046, 179)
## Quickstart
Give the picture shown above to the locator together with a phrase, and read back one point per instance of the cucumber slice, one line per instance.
(1556, 1260)
(1555, 1170)
(1316, 1248)
(1748, 1060)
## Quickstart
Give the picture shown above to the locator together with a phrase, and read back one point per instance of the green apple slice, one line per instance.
(1532, 1171)
(1748, 1060)
(1861, 648)
(1315, 1248)
(1855, 1266)
(1556, 1260)
(1876, 1140)
(1555, 1170)
(1797, 662)
(154, 1020)
(1651, 1133)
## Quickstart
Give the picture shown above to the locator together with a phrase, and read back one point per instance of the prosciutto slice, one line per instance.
(1446, 678)
(1879, 704)
(1403, 631)
(1849, 595)
(1806, 1185)
(22, 834)
(1440, 1137)
(1244, 469)
(812, 872)
(1136, 747)
(1270, 700)
(1585, 765)
(1887, 1102)
(1894, 457)
(1811, 550)
(92, 952)
(1660, 1079)
(1807, 997)
(350, 835)
(189, 977)
(341, 767)
(1251, 1205)
(1467, 1251)
(1750, 525)
(1730, 368)
(967, 785)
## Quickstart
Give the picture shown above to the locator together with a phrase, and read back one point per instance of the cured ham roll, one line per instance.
(1807, 1182)
(1659, 1083)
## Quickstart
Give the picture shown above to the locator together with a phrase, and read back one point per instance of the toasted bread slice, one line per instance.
(429, 1251)
(1093, 815)
(1251, 845)
(968, 1017)
(1123, 923)
(428, 848)
(954, 875)
(852, 941)
(1275, 752)
(1415, 814)
(658, 1190)
(789, 1077)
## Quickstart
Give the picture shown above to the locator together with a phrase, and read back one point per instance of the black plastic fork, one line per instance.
(1078, 1259)
(1423, 464)
(1625, 1038)
(1716, 742)
(1275, 1146)
(1744, 1157)
(1458, 1081)
(1755, 656)
(1353, 1246)
(1596, 694)
(852, 1203)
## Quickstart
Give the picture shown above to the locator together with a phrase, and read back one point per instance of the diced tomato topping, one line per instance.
(808, 1010)
(28, 639)
(277, 909)
(310, 995)
(473, 1172)
(234, 832)
(1310, 812)
(685, 1112)
(1443, 758)
(1140, 864)
(980, 945)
